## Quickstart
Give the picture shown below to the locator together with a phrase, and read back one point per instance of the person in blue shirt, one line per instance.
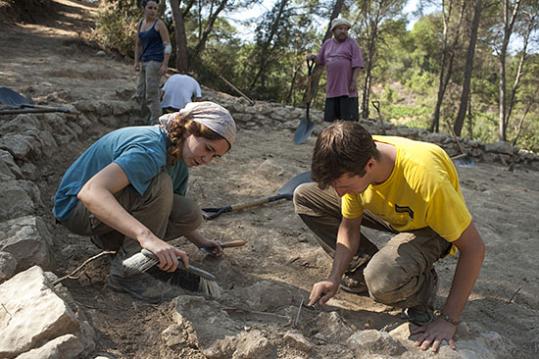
(152, 49)
(127, 190)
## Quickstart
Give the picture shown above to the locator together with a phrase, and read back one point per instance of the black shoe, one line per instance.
(419, 315)
(424, 313)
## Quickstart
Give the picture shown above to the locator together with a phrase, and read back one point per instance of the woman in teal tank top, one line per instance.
(152, 52)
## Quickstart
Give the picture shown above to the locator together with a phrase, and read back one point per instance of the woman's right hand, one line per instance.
(137, 66)
(168, 255)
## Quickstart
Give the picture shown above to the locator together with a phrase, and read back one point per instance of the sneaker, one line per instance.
(143, 287)
(354, 283)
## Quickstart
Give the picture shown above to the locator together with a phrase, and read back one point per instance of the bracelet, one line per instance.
(448, 319)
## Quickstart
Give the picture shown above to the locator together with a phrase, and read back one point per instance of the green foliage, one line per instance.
(116, 26)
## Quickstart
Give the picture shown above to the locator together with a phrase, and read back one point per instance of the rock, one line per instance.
(22, 147)
(182, 333)
(33, 314)
(206, 322)
(8, 265)
(253, 345)
(296, 340)
(331, 327)
(100, 53)
(16, 201)
(500, 147)
(28, 240)
(374, 341)
(30, 171)
(8, 168)
(67, 346)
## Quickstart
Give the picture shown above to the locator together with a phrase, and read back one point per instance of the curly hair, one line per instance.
(180, 128)
(343, 147)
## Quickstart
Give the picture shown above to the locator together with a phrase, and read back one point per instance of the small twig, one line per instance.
(72, 274)
(7, 311)
(514, 295)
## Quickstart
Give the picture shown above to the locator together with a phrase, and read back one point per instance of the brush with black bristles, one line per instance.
(193, 278)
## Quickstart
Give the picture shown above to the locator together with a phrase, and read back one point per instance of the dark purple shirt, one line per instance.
(340, 59)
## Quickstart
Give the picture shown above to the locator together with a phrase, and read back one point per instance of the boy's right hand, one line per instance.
(322, 292)
(168, 255)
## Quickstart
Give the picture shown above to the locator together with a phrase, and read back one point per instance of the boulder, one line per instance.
(8, 266)
(32, 314)
(17, 199)
(64, 347)
(28, 240)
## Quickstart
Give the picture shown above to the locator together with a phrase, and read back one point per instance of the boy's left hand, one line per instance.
(212, 247)
(433, 334)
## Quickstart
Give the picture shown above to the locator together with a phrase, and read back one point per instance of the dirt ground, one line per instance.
(50, 62)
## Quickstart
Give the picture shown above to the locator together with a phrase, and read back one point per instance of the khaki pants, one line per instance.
(400, 273)
(167, 215)
(148, 89)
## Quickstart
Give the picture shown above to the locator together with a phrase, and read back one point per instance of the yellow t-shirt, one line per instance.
(422, 191)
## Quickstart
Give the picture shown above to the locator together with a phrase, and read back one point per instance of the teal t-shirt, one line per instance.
(141, 152)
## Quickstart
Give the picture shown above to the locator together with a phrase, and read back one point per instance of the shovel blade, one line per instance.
(303, 132)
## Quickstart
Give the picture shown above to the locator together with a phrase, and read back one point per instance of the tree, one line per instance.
(182, 52)
(465, 94)
(449, 49)
(372, 13)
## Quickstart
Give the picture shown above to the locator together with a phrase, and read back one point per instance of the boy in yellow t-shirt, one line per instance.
(408, 188)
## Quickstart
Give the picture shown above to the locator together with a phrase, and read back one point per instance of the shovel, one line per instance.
(306, 126)
(285, 192)
(12, 102)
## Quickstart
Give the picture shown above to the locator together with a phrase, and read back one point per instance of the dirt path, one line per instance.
(282, 260)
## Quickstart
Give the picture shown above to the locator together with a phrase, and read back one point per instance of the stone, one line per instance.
(374, 341)
(331, 327)
(296, 340)
(253, 345)
(22, 147)
(8, 167)
(206, 322)
(28, 240)
(64, 347)
(15, 199)
(33, 314)
(500, 147)
(8, 266)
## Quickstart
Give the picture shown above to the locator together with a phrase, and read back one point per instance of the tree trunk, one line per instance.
(368, 68)
(182, 54)
(508, 23)
(465, 95)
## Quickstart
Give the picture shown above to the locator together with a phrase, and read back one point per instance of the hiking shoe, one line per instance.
(143, 287)
(419, 315)
(354, 283)
(424, 313)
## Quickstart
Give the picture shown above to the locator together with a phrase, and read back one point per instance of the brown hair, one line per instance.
(180, 127)
(343, 147)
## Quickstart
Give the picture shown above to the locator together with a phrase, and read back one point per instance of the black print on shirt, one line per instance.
(404, 209)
